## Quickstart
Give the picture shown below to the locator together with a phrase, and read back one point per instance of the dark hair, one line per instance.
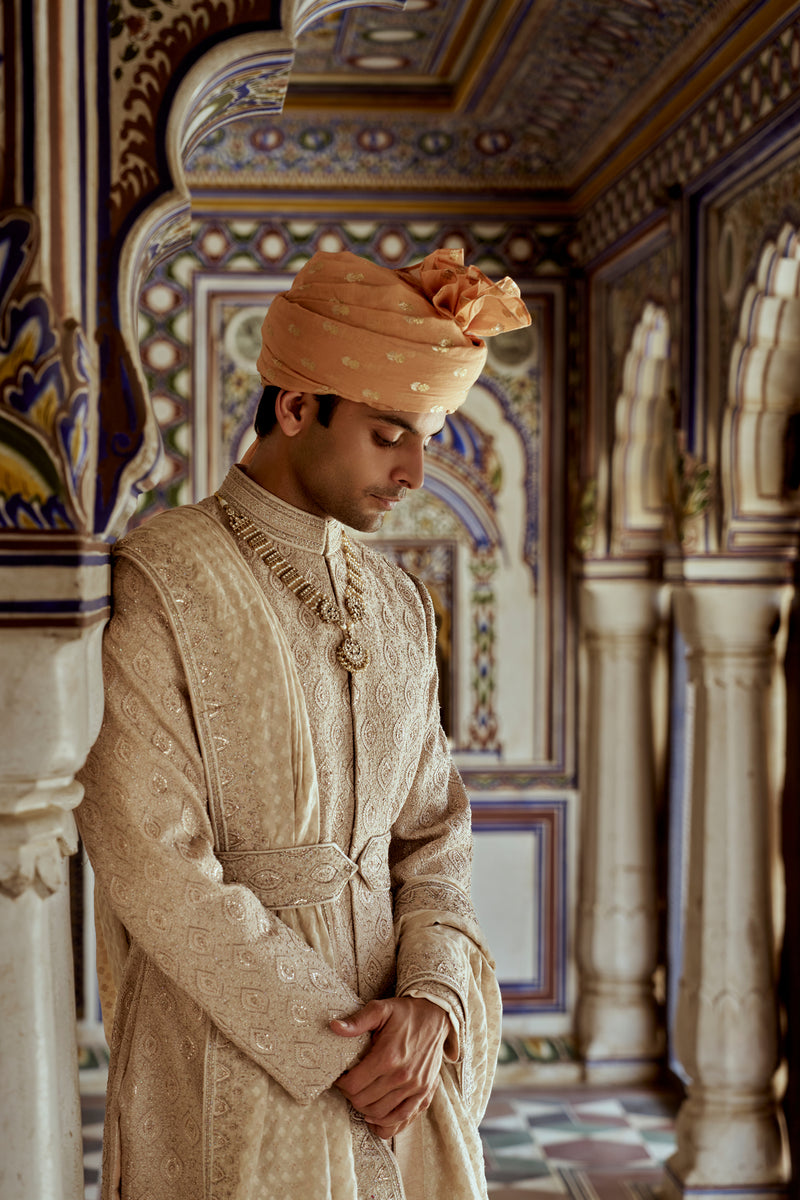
(265, 416)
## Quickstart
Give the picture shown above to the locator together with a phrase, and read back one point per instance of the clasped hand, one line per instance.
(397, 1078)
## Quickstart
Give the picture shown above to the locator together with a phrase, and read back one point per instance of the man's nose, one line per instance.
(411, 470)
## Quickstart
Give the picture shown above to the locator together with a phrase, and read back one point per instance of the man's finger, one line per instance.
(371, 1017)
(401, 1117)
(376, 1104)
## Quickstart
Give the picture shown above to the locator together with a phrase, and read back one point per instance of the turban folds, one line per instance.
(410, 340)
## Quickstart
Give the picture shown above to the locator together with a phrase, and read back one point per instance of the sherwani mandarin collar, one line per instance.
(282, 521)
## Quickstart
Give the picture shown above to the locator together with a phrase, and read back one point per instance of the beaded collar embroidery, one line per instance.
(350, 652)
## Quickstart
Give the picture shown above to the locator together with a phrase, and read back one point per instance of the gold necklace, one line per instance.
(350, 652)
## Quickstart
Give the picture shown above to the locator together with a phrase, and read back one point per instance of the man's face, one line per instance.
(361, 465)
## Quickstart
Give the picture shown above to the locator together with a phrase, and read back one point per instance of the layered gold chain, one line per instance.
(350, 652)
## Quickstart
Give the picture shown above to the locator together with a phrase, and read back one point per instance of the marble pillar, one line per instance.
(618, 1029)
(729, 1131)
(50, 697)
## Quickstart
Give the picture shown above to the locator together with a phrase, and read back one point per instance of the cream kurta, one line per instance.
(275, 843)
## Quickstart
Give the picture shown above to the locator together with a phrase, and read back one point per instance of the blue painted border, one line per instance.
(21, 559)
(528, 809)
(57, 607)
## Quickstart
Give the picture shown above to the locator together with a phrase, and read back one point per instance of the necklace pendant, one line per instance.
(351, 654)
(327, 610)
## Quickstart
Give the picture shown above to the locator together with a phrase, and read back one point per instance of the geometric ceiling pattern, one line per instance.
(525, 94)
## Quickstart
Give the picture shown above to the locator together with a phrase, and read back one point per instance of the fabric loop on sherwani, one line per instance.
(373, 863)
(409, 340)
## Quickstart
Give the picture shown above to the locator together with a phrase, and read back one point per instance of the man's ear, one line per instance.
(294, 411)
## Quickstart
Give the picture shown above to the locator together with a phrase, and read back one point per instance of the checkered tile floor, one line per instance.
(579, 1142)
(92, 1110)
(576, 1142)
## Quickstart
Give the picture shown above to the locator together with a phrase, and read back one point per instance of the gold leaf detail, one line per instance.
(339, 308)
(420, 387)
(460, 372)
(354, 277)
(414, 320)
(308, 364)
(395, 356)
(331, 327)
(294, 331)
(370, 395)
(405, 306)
(352, 363)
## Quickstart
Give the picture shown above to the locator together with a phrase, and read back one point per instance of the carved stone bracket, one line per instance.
(32, 846)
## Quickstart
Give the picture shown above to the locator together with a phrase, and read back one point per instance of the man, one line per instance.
(304, 1009)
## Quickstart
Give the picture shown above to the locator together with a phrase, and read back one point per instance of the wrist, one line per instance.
(434, 1013)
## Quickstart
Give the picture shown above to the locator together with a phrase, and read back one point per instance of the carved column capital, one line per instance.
(622, 608)
(32, 846)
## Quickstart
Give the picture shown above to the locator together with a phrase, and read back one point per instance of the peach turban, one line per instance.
(409, 340)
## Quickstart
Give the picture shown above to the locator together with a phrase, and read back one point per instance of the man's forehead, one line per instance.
(426, 424)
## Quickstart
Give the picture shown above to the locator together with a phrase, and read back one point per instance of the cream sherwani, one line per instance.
(275, 842)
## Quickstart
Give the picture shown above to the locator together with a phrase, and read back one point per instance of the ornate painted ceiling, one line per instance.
(533, 95)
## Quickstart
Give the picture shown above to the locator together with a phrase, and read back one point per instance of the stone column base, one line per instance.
(620, 1039)
(674, 1189)
(729, 1144)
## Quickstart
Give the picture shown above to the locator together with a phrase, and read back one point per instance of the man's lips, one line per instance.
(388, 499)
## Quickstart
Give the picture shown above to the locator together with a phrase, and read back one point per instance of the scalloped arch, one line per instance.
(643, 424)
(240, 74)
(759, 451)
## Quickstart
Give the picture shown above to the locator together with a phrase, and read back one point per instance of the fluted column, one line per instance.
(618, 1032)
(729, 1133)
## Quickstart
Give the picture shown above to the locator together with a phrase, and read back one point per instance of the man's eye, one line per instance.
(384, 441)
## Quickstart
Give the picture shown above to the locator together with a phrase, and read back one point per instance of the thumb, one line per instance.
(370, 1017)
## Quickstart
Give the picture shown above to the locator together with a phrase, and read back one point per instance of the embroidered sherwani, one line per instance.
(276, 842)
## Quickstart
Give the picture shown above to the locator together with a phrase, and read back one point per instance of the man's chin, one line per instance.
(366, 522)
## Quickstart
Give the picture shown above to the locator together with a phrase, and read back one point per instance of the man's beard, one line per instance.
(364, 521)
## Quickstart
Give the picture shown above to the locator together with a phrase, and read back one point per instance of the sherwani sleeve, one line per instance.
(438, 936)
(145, 824)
